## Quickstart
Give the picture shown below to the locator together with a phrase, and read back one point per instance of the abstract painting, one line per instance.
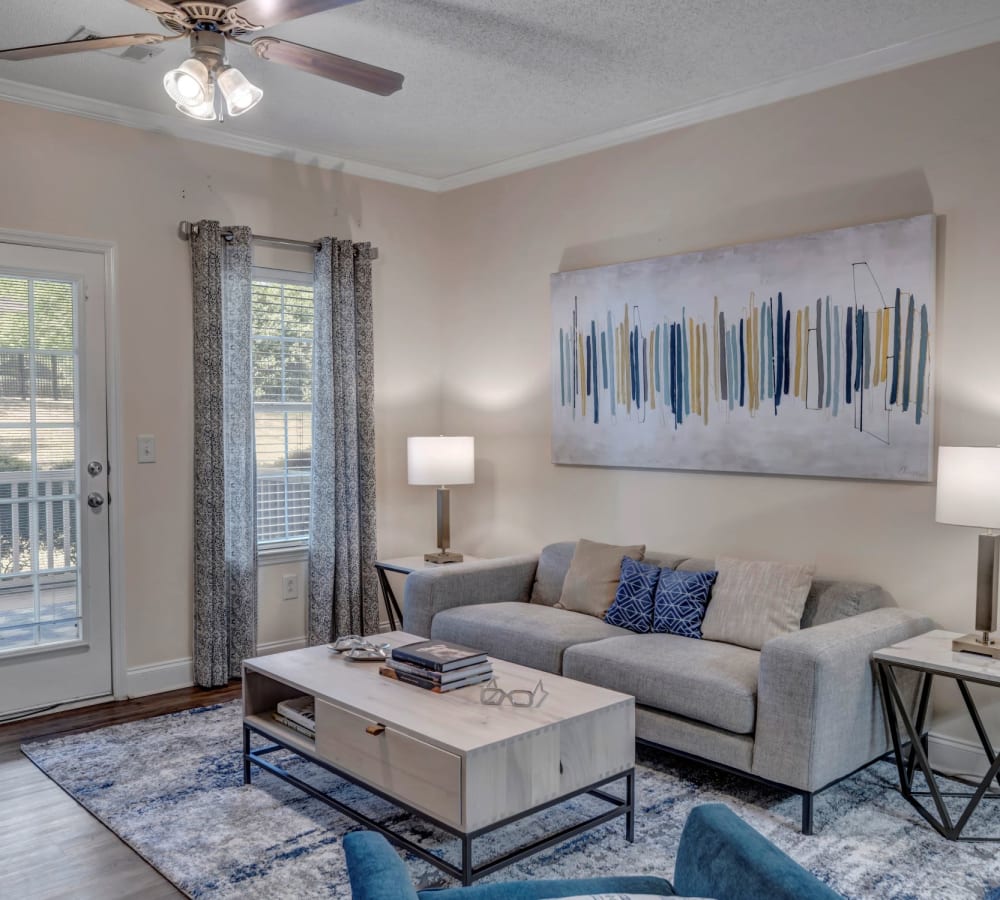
(808, 355)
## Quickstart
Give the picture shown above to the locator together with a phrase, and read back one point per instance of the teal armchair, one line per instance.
(719, 856)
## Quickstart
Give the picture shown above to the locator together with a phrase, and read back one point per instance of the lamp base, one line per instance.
(973, 643)
(443, 556)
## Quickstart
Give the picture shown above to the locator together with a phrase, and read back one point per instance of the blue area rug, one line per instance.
(172, 789)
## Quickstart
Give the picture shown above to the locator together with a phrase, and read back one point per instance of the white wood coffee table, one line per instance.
(466, 767)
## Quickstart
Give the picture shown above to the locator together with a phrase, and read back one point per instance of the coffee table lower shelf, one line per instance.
(467, 873)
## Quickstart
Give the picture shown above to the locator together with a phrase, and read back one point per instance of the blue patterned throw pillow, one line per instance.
(633, 606)
(680, 602)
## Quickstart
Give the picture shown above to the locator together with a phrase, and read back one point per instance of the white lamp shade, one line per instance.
(968, 486)
(441, 460)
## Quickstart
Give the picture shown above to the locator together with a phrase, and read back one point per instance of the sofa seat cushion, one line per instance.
(703, 680)
(525, 633)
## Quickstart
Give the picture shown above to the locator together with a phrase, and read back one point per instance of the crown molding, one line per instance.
(178, 126)
(875, 62)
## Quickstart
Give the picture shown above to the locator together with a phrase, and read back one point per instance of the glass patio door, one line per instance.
(55, 610)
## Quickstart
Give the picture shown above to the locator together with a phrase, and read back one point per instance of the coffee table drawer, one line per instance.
(419, 774)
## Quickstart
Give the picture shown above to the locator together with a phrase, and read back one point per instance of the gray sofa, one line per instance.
(802, 713)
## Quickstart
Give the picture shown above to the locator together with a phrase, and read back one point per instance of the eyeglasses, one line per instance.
(493, 695)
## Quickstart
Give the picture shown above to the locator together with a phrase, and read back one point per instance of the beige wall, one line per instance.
(923, 139)
(462, 319)
(70, 176)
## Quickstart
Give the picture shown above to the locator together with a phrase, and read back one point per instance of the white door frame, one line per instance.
(109, 250)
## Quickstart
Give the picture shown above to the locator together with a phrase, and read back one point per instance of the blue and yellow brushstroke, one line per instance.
(763, 360)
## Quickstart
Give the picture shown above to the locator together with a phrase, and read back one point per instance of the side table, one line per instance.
(931, 655)
(404, 565)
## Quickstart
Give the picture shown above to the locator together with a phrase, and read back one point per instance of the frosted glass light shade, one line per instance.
(241, 95)
(441, 460)
(189, 84)
(204, 111)
(968, 486)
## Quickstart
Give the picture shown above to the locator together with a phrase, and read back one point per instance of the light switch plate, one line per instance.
(146, 448)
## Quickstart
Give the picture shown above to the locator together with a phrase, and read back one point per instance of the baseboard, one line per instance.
(179, 673)
(159, 677)
(956, 756)
(281, 646)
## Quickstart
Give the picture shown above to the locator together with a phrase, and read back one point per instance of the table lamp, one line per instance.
(968, 493)
(441, 461)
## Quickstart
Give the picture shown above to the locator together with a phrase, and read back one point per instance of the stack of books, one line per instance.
(438, 666)
(299, 714)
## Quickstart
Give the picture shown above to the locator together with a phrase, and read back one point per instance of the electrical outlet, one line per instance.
(290, 587)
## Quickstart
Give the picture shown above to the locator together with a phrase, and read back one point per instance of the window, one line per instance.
(282, 390)
(39, 596)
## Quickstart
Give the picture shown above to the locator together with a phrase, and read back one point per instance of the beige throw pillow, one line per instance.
(593, 576)
(753, 602)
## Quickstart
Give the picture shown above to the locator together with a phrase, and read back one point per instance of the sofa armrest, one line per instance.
(720, 856)
(430, 591)
(375, 869)
(819, 716)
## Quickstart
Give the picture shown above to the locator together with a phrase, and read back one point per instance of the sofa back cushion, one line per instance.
(830, 600)
(553, 564)
(755, 601)
(593, 576)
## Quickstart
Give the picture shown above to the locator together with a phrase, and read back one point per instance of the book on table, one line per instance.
(298, 713)
(484, 668)
(438, 656)
(429, 684)
(309, 733)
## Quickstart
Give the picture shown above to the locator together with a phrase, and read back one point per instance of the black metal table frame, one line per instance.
(392, 609)
(467, 873)
(916, 756)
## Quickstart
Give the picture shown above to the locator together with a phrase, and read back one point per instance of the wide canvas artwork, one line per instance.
(808, 355)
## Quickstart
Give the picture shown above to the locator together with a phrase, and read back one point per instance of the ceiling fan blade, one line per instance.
(265, 13)
(156, 7)
(329, 65)
(105, 43)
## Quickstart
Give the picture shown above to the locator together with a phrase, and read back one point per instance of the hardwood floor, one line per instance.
(49, 845)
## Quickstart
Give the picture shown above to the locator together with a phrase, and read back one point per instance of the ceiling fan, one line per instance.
(209, 25)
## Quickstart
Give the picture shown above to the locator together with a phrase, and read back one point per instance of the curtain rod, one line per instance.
(185, 229)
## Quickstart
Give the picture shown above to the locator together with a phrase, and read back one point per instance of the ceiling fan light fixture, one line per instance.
(241, 95)
(204, 111)
(189, 84)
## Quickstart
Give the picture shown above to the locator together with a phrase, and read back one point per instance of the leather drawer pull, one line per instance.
(375, 729)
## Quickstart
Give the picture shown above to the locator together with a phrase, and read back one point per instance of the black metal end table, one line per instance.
(931, 655)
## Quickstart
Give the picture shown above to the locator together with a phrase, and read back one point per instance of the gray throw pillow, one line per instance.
(593, 576)
(753, 602)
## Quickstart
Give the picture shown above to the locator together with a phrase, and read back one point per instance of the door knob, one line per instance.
(95, 500)
(95, 468)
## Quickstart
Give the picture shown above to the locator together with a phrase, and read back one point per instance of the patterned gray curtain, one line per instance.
(343, 595)
(225, 539)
